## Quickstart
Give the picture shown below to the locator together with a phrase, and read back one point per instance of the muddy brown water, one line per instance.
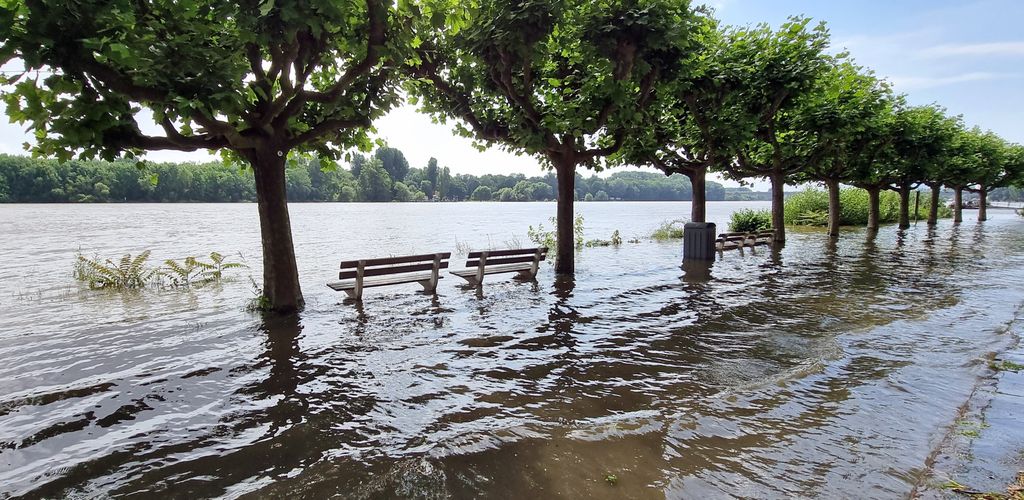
(821, 370)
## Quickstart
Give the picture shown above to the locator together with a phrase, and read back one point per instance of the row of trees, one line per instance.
(571, 82)
(29, 180)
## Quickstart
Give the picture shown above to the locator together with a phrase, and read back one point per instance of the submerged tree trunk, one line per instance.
(933, 209)
(565, 260)
(698, 207)
(280, 273)
(873, 207)
(982, 201)
(778, 208)
(834, 210)
(904, 206)
(958, 205)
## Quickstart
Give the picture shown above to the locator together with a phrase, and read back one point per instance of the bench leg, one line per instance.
(352, 294)
(429, 286)
(470, 280)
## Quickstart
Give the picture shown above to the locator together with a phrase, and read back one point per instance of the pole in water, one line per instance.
(917, 204)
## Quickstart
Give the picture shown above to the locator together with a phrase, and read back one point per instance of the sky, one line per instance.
(967, 56)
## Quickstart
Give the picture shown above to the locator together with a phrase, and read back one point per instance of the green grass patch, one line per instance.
(810, 207)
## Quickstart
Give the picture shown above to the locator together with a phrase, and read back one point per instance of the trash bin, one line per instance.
(699, 241)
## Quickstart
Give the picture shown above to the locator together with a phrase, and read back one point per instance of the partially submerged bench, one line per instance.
(731, 241)
(423, 269)
(523, 261)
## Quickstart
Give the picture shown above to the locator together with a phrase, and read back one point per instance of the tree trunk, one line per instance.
(280, 273)
(873, 208)
(933, 210)
(904, 206)
(958, 205)
(565, 260)
(834, 210)
(982, 201)
(698, 207)
(778, 208)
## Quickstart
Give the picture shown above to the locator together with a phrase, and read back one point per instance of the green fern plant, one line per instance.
(127, 273)
(194, 272)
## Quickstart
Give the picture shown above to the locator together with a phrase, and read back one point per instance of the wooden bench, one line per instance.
(423, 269)
(524, 261)
(731, 241)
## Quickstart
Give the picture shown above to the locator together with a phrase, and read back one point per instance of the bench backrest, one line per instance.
(500, 257)
(394, 265)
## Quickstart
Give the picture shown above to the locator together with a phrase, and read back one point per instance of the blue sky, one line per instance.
(966, 56)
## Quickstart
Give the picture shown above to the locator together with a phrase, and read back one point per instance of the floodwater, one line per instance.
(821, 370)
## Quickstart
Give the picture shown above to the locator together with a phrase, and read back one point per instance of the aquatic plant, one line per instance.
(127, 273)
(1006, 365)
(750, 220)
(133, 272)
(614, 241)
(669, 230)
(545, 238)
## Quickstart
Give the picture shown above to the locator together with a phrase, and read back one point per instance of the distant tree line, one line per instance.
(382, 177)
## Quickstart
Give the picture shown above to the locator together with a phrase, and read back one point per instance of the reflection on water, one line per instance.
(831, 367)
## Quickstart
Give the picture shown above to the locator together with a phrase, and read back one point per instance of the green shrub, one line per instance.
(128, 273)
(806, 208)
(193, 272)
(749, 220)
(669, 230)
(545, 238)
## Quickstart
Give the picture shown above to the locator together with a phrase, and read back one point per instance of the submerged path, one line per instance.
(821, 370)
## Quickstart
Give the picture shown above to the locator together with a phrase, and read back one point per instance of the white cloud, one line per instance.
(927, 82)
(976, 49)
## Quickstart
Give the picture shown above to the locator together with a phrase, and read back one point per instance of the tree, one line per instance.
(358, 160)
(775, 69)
(432, 173)
(482, 193)
(694, 127)
(995, 170)
(394, 163)
(374, 182)
(444, 184)
(562, 81)
(257, 79)
(838, 119)
(921, 144)
(402, 192)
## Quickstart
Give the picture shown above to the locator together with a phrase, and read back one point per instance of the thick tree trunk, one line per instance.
(933, 209)
(834, 210)
(778, 208)
(904, 206)
(280, 273)
(958, 205)
(873, 207)
(565, 260)
(698, 207)
(982, 201)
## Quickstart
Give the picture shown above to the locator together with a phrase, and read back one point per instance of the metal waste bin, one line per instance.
(699, 241)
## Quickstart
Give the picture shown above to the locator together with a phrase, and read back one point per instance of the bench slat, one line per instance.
(505, 253)
(394, 260)
(382, 271)
(501, 261)
(350, 284)
(508, 268)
